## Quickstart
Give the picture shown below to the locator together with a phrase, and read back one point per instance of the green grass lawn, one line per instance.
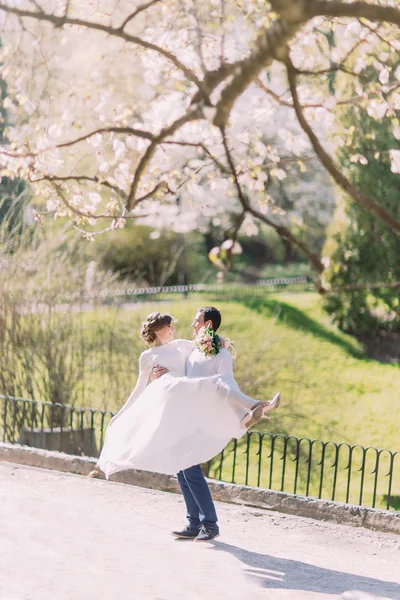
(339, 392)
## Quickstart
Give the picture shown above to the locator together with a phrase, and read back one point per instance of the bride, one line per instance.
(176, 421)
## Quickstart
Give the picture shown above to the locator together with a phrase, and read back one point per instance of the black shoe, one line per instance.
(207, 533)
(187, 533)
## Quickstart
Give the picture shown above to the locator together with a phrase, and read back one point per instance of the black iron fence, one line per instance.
(221, 291)
(354, 474)
(365, 476)
(60, 427)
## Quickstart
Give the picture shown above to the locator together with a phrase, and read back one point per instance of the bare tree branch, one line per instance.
(283, 231)
(268, 47)
(56, 183)
(193, 114)
(279, 100)
(332, 69)
(206, 151)
(295, 11)
(234, 235)
(337, 8)
(199, 37)
(79, 178)
(139, 9)
(213, 78)
(222, 22)
(126, 130)
(272, 44)
(66, 8)
(161, 185)
(378, 35)
(38, 7)
(329, 164)
(116, 32)
(73, 209)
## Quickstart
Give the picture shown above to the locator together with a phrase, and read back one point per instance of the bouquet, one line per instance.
(209, 343)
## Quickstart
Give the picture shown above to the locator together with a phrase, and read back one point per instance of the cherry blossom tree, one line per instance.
(120, 108)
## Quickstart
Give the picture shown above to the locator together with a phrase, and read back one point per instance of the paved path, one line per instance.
(67, 537)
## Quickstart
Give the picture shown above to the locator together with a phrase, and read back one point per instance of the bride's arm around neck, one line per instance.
(186, 345)
(184, 342)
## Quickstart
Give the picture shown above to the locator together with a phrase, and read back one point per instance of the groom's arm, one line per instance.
(157, 371)
(225, 363)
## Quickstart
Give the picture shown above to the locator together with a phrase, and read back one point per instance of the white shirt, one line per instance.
(200, 365)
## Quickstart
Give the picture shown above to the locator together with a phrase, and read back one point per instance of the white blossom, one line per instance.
(396, 131)
(249, 227)
(279, 174)
(94, 200)
(121, 84)
(95, 140)
(233, 246)
(119, 149)
(359, 158)
(395, 160)
(377, 110)
(384, 76)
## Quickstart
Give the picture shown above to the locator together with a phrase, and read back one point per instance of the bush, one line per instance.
(45, 348)
(361, 249)
(139, 254)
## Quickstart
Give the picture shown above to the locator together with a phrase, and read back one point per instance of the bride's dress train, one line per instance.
(176, 421)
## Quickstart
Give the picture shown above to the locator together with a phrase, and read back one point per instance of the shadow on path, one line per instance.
(272, 572)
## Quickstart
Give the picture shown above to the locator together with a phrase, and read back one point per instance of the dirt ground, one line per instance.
(67, 537)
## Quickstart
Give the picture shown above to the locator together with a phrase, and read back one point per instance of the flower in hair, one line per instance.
(153, 317)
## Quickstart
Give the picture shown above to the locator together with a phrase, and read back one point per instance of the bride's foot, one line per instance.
(260, 410)
(254, 416)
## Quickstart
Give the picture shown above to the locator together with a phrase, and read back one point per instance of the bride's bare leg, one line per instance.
(235, 395)
(255, 410)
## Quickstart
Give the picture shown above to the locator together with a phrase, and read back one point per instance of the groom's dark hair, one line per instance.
(211, 314)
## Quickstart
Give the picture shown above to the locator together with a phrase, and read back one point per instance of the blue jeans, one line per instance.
(199, 504)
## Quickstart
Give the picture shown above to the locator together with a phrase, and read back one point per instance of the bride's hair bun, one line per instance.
(154, 322)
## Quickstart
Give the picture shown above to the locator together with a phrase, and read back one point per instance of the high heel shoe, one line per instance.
(95, 474)
(260, 410)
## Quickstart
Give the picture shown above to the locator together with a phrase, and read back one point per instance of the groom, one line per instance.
(201, 514)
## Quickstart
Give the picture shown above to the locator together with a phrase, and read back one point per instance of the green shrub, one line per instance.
(361, 249)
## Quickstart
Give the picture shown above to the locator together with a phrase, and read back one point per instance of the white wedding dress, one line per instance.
(176, 421)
